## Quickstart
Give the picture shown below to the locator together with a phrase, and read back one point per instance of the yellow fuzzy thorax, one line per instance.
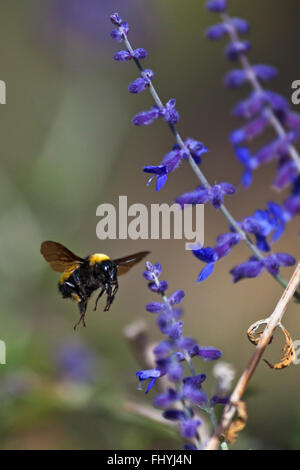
(67, 273)
(97, 258)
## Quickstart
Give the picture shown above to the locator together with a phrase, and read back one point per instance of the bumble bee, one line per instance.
(82, 276)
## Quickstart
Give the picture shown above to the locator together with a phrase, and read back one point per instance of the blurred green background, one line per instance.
(68, 145)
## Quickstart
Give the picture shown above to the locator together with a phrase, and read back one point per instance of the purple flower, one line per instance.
(138, 85)
(215, 400)
(170, 163)
(251, 106)
(155, 307)
(119, 33)
(116, 19)
(163, 286)
(140, 54)
(162, 349)
(207, 255)
(206, 353)
(201, 195)
(217, 193)
(152, 375)
(225, 243)
(265, 72)
(251, 268)
(175, 370)
(160, 172)
(146, 117)
(250, 130)
(276, 148)
(122, 56)
(244, 156)
(170, 114)
(277, 101)
(240, 25)
(280, 220)
(235, 78)
(291, 120)
(196, 148)
(275, 261)
(189, 427)
(254, 267)
(217, 31)
(235, 49)
(292, 203)
(261, 224)
(75, 363)
(192, 391)
(216, 6)
(175, 331)
(141, 83)
(166, 399)
(174, 415)
(176, 297)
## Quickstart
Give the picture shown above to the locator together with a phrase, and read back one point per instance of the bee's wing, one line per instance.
(58, 256)
(125, 264)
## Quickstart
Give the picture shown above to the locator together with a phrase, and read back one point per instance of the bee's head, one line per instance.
(107, 270)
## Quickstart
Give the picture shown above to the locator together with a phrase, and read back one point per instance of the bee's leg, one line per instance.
(82, 309)
(115, 290)
(110, 297)
(101, 293)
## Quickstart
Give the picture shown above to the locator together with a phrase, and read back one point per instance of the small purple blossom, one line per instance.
(122, 56)
(250, 130)
(192, 391)
(235, 49)
(216, 6)
(75, 363)
(151, 375)
(189, 427)
(196, 148)
(261, 224)
(155, 307)
(170, 163)
(217, 31)
(208, 255)
(170, 114)
(265, 72)
(164, 400)
(206, 353)
(235, 78)
(147, 117)
(141, 83)
(214, 195)
(254, 267)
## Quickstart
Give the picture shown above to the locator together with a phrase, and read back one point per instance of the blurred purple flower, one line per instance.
(75, 363)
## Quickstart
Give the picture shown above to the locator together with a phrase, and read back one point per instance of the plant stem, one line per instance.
(272, 323)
